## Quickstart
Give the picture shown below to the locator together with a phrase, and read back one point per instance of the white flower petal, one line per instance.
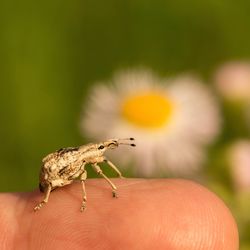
(197, 115)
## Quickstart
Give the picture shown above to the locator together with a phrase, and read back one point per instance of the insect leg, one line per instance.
(99, 171)
(83, 177)
(114, 167)
(45, 200)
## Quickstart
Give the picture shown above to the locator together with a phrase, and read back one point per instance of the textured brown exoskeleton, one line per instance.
(68, 164)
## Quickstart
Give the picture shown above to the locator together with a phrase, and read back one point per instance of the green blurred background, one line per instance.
(52, 51)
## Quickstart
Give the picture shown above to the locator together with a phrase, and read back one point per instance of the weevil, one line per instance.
(68, 164)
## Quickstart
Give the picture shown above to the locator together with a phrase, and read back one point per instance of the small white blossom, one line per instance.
(233, 81)
(171, 119)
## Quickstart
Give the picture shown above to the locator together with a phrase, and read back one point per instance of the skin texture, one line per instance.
(149, 214)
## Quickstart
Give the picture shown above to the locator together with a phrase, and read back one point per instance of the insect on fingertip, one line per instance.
(68, 164)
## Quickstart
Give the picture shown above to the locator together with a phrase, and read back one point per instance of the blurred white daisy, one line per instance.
(233, 81)
(239, 160)
(172, 120)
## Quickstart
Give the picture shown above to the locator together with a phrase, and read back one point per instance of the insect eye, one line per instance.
(101, 147)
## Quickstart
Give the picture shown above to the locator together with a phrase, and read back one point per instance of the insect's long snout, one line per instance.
(126, 141)
(114, 143)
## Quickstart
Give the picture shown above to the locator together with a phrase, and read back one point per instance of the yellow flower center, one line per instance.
(148, 110)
